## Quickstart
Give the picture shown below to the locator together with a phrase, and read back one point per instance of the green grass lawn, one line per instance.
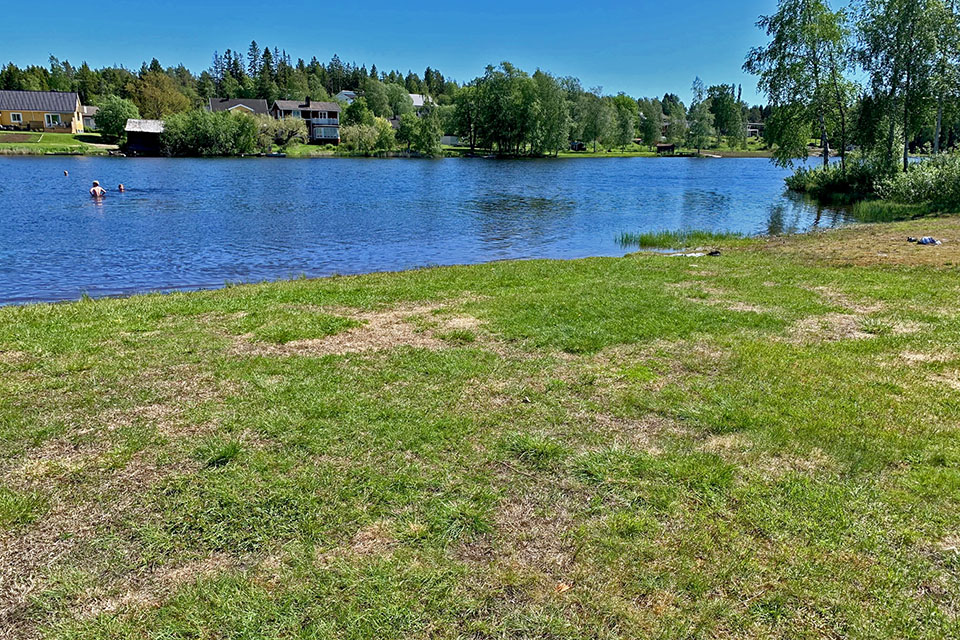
(40, 143)
(757, 445)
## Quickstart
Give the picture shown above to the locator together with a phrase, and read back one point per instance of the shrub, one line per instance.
(280, 132)
(202, 133)
(934, 182)
(112, 117)
(834, 185)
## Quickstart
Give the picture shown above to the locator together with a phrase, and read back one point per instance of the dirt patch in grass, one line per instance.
(19, 137)
(715, 297)
(94, 483)
(919, 357)
(420, 327)
(949, 380)
(831, 327)
(151, 588)
(844, 301)
(375, 539)
(636, 433)
(532, 534)
(14, 357)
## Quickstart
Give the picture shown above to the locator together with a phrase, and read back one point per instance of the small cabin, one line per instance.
(666, 148)
(143, 137)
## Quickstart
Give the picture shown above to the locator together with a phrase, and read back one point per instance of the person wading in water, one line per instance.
(96, 190)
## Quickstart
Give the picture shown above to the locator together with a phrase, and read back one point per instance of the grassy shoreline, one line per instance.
(83, 144)
(611, 447)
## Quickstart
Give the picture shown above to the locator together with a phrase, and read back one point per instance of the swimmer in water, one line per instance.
(96, 190)
(120, 188)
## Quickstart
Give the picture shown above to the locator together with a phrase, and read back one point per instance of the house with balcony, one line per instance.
(322, 118)
(49, 111)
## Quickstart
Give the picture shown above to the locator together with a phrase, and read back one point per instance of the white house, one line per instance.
(346, 96)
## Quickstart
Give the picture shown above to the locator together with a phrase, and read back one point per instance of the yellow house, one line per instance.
(55, 111)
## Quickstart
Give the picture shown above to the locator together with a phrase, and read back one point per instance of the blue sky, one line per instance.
(643, 48)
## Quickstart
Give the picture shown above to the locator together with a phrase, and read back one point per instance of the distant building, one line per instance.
(90, 118)
(322, 118)
(755, 130)
(420, 101)
(143, 137)
(54, 111)
(346, 96)
(666, 147)
(241, 105)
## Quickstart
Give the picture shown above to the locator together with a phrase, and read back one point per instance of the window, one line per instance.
(16, 118)
(296, 114)
(52, 119)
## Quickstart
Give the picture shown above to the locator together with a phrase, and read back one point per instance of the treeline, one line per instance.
(505, 110)
(513, 112)
(907, 50)
(265, 73)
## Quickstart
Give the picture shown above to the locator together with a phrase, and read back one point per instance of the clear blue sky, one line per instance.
(643, 48)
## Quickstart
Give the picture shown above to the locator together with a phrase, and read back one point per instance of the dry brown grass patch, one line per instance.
(151, 588)
(949, 380)
(379, 331)
(872, 245)
(831, 327)
(839, 299)
(919, 357)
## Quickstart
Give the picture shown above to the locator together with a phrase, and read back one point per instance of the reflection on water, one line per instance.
(199, 223)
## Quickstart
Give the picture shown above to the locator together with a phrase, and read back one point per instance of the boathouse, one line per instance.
(143, 137)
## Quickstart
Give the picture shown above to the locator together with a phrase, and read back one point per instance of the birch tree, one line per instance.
(797, 68)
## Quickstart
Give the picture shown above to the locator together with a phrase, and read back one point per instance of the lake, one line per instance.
(199, 223)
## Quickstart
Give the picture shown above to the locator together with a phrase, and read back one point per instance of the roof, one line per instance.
(144, 126)
(228, 104)
(90, 111)
(352, 95)
(53, 101)
(296, 105)
(419, 99)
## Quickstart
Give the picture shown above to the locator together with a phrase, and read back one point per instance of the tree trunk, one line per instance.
(824, 137)
(842, 109)
(939, 128)
(906, 124)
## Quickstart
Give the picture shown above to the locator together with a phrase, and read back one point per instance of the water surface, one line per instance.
(196, 223)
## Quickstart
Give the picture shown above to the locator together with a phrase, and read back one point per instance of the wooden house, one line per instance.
(53, 111)
(322, 118)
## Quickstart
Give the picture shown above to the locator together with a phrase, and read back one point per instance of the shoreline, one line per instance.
(733, 243)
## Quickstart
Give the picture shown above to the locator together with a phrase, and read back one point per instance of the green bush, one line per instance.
(934, 182)
(202, 133)
(111, 119)
(834, 185)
